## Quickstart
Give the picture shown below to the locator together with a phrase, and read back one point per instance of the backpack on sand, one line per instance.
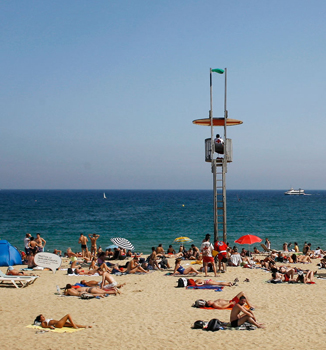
(214, 325)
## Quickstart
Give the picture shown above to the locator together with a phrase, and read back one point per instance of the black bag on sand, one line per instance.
(214, 325)
(199, 324)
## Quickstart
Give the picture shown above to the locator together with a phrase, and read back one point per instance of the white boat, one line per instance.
(104, 196)
(295, 192)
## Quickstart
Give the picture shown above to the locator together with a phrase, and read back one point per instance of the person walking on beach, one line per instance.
(239, 315)
(41, 242)
(83, 242)
(93, 238)
(206, 250)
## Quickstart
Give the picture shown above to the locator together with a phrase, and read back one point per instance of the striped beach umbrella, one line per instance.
(122, 243)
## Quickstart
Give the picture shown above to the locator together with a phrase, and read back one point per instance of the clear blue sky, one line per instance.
(102, 94)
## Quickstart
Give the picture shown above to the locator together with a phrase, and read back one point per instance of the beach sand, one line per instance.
(152, 314)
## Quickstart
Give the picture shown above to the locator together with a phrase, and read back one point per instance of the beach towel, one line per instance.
(56, 330)
(207, 286)
(213, 308)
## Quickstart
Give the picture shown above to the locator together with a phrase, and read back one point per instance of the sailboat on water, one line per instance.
(104, 196)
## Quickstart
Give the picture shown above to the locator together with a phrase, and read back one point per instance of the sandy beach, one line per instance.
(152, 314)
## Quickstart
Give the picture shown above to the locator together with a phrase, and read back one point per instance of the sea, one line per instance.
(150, 217)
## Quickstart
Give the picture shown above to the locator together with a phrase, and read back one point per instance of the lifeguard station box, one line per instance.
(229, 150)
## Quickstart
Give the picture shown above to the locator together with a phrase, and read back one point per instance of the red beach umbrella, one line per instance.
(248, 239)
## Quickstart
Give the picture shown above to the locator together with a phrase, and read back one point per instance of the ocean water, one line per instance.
(149, 217)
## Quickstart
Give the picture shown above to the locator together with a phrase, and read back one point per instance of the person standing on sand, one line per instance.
(239, 315)
(41, 242)
(83, 242)
(268, 243)
(206, 250)
(94, 237)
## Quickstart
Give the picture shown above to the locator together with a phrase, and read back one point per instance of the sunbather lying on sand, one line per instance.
(304, 259)
(66, 321)
(13, 272)
(201, 282)
(222, 303)
(180, 270)
(78, 291)
(307, 277)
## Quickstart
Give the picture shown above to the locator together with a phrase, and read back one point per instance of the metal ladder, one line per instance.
(220, 207)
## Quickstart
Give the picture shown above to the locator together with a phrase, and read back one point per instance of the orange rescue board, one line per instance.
(217, 122)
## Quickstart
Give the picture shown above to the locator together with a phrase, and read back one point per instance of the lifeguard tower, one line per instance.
(218, 156)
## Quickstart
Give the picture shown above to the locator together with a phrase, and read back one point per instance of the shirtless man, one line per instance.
(41, 242)
(94, 237)
(171, 250)
(83, 242)
(160, 250)
(239, 315)
(226, 304)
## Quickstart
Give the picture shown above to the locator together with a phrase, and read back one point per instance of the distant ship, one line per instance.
(295, 192)
(104, 196)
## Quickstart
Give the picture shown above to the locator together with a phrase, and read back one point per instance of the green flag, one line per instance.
(218, 70)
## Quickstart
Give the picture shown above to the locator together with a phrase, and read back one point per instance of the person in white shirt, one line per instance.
(206, 250)
(235, 258)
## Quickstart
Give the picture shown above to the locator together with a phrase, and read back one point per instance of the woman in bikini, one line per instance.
(180, 270)
(66, 321)
(201, 282)
(78, 291)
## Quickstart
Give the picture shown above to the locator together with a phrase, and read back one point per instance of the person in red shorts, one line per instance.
(221, 247)
(206, 250)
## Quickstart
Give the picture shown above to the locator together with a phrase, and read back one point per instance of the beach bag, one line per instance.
(214, 325)
(70, 271)
(182, 282)
(199, 324)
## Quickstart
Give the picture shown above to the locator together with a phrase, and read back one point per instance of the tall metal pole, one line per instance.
(224, 166)
(212, 158)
